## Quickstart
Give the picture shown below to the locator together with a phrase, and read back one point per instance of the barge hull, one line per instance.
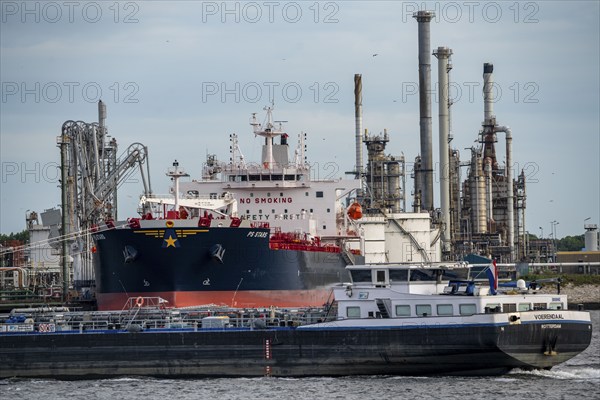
(286, 352)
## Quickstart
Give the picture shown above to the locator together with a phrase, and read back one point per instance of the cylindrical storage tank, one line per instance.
(478, 196)
(591, 238)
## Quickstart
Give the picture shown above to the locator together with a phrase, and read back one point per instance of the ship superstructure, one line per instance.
(278, 191)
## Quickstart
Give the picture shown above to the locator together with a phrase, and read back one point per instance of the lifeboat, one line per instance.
(355, 211)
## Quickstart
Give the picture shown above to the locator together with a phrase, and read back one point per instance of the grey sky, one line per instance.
(162, 67)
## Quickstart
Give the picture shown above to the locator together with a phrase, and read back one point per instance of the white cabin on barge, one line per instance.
(394, 291)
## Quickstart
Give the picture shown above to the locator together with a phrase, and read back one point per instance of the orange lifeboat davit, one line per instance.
(355, 211)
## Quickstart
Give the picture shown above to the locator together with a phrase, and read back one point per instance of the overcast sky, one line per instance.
(179, 77)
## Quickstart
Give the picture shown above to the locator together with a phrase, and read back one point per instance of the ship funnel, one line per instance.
(426, 173)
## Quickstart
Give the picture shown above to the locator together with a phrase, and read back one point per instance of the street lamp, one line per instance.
(554, 223)
(553, 229)
(542, 232)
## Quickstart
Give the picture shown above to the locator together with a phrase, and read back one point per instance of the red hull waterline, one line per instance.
(241, 299)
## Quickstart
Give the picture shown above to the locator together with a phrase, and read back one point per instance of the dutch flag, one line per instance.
(492, 273)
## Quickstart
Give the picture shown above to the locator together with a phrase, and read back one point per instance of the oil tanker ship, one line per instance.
(245, 235)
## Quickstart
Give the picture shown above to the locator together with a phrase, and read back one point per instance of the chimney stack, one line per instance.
(426, 174)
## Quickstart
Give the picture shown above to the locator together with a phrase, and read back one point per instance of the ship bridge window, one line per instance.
(398, 275)
(380, 277)
(359, 275)
(403, 310)
(509, 307)
(539, 306)
(422, 275)
(353, 312)
(319, 193)
(423, 310)
(467, 309)
(493, 308)
(457, 274)
(445, 309)
(555, 306)
(524, 306)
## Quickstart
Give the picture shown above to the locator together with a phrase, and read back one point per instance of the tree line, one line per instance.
(22, 236)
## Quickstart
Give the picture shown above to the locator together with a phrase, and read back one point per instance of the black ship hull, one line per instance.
(212, 265)
(461, 350)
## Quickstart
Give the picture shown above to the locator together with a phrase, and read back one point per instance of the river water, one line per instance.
(578, 378)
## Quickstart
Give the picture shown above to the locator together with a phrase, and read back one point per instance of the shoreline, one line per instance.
(588, 295)
(591, 306)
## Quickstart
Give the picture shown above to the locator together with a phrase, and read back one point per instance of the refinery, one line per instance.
(482, 208)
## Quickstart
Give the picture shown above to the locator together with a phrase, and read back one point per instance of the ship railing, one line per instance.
(226, 196)
(149, 319)
(134, 303)
(141, 324)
